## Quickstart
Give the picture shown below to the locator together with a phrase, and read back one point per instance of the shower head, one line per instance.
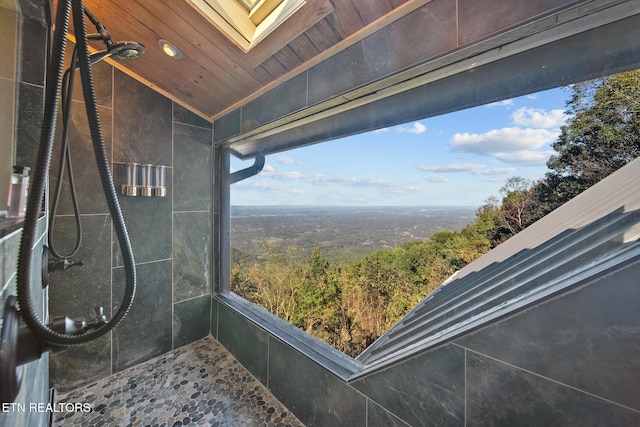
(126, 50)
(121, 51)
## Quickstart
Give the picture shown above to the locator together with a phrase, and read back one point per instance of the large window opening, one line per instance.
(342, 239)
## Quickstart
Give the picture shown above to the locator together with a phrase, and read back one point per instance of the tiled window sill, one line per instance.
(9, 225)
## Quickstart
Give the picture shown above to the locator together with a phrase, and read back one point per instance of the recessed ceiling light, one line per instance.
(170, 49)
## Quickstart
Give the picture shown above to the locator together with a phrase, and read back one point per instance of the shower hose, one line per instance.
(65, 161)
(47, 335)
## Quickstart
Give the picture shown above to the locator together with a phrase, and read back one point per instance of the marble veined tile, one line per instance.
(502, 395)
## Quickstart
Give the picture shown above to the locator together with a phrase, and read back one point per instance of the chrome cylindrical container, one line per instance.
(131, 186)
(146, 180)
(159, 180)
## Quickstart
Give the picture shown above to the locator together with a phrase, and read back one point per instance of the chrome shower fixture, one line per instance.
(160, 181)
(145, 180)
(131, 187)
(120, 51)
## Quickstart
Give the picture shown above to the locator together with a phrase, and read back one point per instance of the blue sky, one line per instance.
(457, 159)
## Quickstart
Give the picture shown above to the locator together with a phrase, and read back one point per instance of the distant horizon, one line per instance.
(341, 232)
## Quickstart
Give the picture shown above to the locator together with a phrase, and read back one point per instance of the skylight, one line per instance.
(246, 22)
(248, 4)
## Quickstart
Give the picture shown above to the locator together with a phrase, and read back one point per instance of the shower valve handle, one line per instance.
(64, 264)
(100, 316)
(66, 325)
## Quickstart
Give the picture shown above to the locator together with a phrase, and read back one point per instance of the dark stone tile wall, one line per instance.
(148, 221)
(478, 18)
(316, 396)
(499, 394)
(319, 397)
(146, 331)
(228, 125)
(170, 236)
(447, 25)
(87, 181)
(291, 96)
(35, 382)
(34, 42)
(427, 390)
(29, 51)
(582, 341)
(142, 123)
(191, 255)
(192, 159)
(246, 340)
(94, 275)
(570, 360)
(191, 320)
(9, 23)
(398, 46)
(31, 102)
(214, 317)
(378, 416)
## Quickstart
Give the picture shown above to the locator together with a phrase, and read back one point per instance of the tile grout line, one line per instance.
(173, 302)
(550, 379)
(111, 260)
(465, 387)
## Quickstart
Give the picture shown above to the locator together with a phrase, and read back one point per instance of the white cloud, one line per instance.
(381, 130)
(282, 176)
(437, 178)
(494, 171)
(416, 128)
(452, 167)
(510, 139)
(473, 168)
(504, 103)
(269, 171)
(267, 188)
(531, 158)
(285, 160)
(538, 118)
(320, 180)
(248, 184)
(509, 145)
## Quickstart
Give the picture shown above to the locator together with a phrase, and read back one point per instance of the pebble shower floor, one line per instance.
(198, 384)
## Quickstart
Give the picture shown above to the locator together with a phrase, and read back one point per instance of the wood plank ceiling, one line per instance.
(214, 75)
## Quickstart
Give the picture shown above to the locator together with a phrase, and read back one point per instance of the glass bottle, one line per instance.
(18, 192)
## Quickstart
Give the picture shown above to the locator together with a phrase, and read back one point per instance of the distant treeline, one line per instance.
(350, 304)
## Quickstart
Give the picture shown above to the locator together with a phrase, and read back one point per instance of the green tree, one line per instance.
(490, 222)
(319, 299)
(601, 135)
(519, 198)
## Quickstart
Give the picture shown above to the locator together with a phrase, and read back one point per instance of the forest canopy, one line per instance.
(350, 304)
